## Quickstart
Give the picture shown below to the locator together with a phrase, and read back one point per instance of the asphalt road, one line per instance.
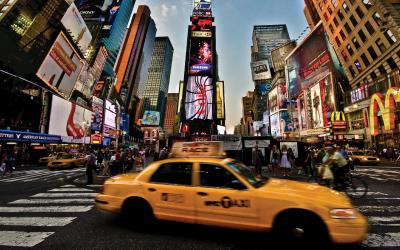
(54, 210)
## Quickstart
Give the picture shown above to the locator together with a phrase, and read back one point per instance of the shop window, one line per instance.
(342, 35)
(353, 73)
(358, 66)
(346, 8)
(337, 41)
(372, 53)
(336, 21)
(344, 55)
(347, 27)
(359, 12)
(380, 45)
(349, 49)
(362, 36)
(390, 37)
(369, 28)
(391, 63)
(353, 21)
(356, 44)
(365, 60)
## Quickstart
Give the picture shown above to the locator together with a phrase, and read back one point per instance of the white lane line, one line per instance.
(52, 201)
(389, 209)
(383, 240)
(31, 177)
(378, 219)
(383, 198)
(49, 209)
(64, 195)
(22, 239)
(69, 190)
(376, 193)
(36, 221)
(57, 175)
(68, 186)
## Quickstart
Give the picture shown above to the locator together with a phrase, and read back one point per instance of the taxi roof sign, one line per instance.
(198, 149)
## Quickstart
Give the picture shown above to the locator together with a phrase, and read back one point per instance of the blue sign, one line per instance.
(19, 136)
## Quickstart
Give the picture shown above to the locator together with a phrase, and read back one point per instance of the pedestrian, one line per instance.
(258, 159)
(139, 162)
(275, 157)
(106, 161)
(291, 158)
(285, 164)
(90, 166)
(163, 154)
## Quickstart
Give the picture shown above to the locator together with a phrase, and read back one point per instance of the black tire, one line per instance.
(357, 188)
(137, 213)
(302, 230)
(72, 166)
(357, 162)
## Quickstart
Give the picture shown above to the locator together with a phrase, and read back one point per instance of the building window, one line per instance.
(334, 3)
(337, 41)
(349, 49)
(321, 6)
(367, 3)
(356, 44)
(372, 53)
(346, 8)
(353, 21)
(336, 21)
(326, 17)
(391, 63)
(390, 37)
(340, 14)
(344, 55)
(4, 8)
(365, 60)
(347, 27)
(342, 35)
(358, 66)
(360, 13)
(377, 19)
(329, 10)
(353, 73)
(380, 45)
(362, 36)
(382, 70)
(331, 28)
(373, 75)
(369, 27)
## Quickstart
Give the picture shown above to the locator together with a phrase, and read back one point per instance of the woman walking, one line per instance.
(275, 156)
(285, 164)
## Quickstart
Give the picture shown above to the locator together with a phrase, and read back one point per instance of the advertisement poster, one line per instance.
(99, 63)
(273, 100)
(199, 98)
(282, 96)
(76, 27)
(69, 120)
(260, 70)
(220, 101)
(275, 126)
(109, 125)
(231, 142)
(318, 120)
(61, 67)
(151, 118)
(328, 103)
(97, 114)
(284, 122)
(85, 81)
(202, 8)
(301, 106)
(201, 57)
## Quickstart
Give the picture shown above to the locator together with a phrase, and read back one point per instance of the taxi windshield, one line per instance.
(246, 173)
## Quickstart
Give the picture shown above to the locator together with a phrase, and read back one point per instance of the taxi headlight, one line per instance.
(377, 159)
(350, 158)
(343, 213)
(365, 158)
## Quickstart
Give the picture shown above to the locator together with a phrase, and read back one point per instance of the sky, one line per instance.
(234, 21)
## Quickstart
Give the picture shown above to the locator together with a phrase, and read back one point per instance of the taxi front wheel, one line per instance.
(137, 213)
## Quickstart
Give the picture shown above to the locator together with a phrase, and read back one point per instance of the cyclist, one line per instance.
(338, 165)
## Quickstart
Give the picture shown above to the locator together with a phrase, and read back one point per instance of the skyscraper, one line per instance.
(156, 87)
(170, 112)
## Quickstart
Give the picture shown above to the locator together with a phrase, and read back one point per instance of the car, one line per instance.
(361, 158)
(65, 160)
(45, 160)
(193, 186)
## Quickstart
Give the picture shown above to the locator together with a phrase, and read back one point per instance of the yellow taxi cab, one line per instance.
(65, 160)
(45, 160)
(198, 185)
(359, 157)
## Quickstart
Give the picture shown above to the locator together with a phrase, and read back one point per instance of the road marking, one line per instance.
(42, 173)
(22, 239)
(383, 198)
(68, 186)
(376, 193)
(390, 209)
(36, 221)
(378, 219)
(94, 185)
(50, 209)
(69, 190)
(51, 201)
(383, 240)
(64, 195)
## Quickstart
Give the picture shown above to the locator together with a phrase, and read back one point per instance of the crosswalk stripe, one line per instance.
(35, 175)
(68, 186)
(383, 198)
(51, 209)
(64, 195)
(51, 201)
(26, 177)
(69, 190)
(376, 193)
(36, 221)
(379, 219)
(22, 239)
(390, 209)
(383, 240)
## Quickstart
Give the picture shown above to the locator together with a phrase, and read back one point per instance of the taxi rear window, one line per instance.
(173, 173)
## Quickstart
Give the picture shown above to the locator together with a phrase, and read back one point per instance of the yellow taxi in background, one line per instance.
(361, 158)
(45, 160)
(65, 160)
(198, 185)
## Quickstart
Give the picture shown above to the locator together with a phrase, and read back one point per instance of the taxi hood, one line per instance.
(123, 177)
(305, 191)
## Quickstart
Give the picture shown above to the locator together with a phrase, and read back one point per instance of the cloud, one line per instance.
(168, 11)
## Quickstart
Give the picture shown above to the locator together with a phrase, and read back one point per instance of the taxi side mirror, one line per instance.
(236, 184)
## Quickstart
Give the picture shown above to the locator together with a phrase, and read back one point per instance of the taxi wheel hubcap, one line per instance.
(298, 232)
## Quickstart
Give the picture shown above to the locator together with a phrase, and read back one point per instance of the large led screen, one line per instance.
(275, 127)
(69, 120)
(260, 70)
(61, 67)
(151, 118)
(110, 115)
(199, 98)
(97, 114)
(318, 120)
(201, 57)
(202, 23)
(77, 28)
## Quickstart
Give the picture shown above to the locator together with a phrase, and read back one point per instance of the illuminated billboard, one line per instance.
(109, 124)
(76, 27)
(220, 100)
(99, 63)
(328, 99)
(199, 98)
(86, 80)
(69, 120)
(275, 128)
(151, 118)
(201, 57)
(61, 67)
(318, 120)
(260, 70)
(202, 8)
(202, 23)
(97, 114)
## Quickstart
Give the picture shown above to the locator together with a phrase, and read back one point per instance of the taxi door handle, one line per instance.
(202, 193)
(152, 189)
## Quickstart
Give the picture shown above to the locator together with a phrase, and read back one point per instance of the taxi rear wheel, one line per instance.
(137, 213)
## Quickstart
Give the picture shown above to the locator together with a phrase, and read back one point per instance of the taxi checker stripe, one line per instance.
(36, 221)
(64, 195)
(51, 201)
(51, 209)
(22, 239)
